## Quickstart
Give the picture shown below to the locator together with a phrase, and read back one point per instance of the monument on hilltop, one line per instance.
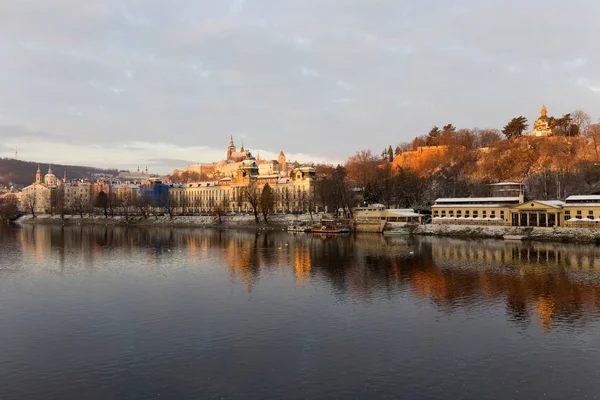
(541, 127)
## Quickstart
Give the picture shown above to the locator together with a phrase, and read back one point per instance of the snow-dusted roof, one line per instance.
(587, 197)
(403, 213)
(486, 205)
(551, 203)
(478, 200)
(469, 218)
(505, 183)
(582, 204)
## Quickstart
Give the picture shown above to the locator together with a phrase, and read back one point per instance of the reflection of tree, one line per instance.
(546, 283)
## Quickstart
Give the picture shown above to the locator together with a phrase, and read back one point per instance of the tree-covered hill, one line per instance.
(23, 172)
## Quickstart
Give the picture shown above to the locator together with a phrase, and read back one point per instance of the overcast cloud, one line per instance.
(127, 83)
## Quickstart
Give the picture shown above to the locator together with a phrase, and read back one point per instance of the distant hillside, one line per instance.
(23, 172)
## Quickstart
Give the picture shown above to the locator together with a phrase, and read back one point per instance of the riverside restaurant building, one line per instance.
(577, 211)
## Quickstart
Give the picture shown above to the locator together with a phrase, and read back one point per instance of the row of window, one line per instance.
(579, 214)
(468, 214)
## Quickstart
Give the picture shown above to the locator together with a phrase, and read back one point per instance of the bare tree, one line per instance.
(79, 205)
(113, 203)
(144, 205)
(8, 208)
(60, 202)
(170, 203)
(267, 201)
(29, 202)
(102, 202)
(253, 196)
(220, 207)
(582, 120)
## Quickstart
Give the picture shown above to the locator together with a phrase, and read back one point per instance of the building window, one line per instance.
(483, 214)
(502, 214)
(435, 213)
(475, 213)
(466, 213)
(458, 213)
(443, 213)
(591, 214)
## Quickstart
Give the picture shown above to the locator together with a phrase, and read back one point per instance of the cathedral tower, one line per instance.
(38, 175)
(230, 148)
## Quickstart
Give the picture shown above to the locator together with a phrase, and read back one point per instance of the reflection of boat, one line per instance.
(513, 237)
(330, 226)
(301, 229)
(396, 233)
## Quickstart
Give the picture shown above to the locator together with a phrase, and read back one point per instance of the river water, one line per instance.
(122, 313)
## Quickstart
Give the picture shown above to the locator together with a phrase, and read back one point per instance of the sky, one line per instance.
(119, 84)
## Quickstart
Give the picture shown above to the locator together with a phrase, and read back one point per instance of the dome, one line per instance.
(50, 178)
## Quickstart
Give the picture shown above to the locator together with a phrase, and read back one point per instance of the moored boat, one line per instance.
(513, 237)
(396, 233)
(299, 229)
(330, 226)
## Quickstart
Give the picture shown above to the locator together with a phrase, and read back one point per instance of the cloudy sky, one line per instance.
(163, 83)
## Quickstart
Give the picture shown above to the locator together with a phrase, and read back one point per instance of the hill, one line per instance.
(20, 172)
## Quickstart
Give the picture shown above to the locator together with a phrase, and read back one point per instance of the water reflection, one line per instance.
(556, 285)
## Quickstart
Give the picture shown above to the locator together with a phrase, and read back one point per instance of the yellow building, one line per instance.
(231, 194)
(578, 211)
(474, 210)
(36, 197)
(582, 211)
(537, 214)
(378, 212)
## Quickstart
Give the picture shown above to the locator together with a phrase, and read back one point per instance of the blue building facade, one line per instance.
(155, 192)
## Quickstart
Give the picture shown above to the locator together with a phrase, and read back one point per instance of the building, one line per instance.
(541, 126)
(77, 195)
(36, 197)
(237, 156)
(473, 210)
(154, 191)
(378, 212)
(582, 211)
(232, 193)
(231, 163)
(512, 211)
(537, 214)
(506, 189)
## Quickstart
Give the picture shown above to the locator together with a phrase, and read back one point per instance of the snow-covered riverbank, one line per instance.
(237, 221)
(578, 235)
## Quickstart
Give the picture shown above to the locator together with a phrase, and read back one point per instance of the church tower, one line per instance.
(230, 148)
(38, 175)
(282, 160)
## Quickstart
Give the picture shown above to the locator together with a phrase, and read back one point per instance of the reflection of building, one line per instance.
(547, 279)
(302, 264)
(541, 126)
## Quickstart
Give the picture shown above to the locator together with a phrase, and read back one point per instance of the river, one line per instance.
(118, 313)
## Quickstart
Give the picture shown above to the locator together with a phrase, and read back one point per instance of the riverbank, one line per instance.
(227, 222)
(578, 235)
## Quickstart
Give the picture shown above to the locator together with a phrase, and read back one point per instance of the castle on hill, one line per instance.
(234, 159)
